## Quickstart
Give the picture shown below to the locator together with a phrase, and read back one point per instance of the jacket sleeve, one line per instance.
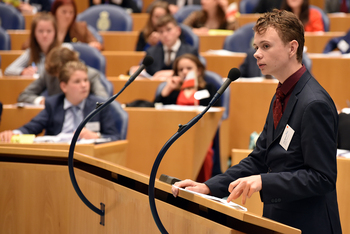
(17, 66)
(33, 90)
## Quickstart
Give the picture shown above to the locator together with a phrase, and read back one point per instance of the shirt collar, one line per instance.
(175, 47)
(67, 104)
(291, 81)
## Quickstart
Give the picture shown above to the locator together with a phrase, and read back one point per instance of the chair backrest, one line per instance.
(241, 39)
(91, 56)
(121, 119)
(189, 36)
(10, 17)
(5, 40)
(247, 6)
(325, 18)
(94, 32)
(106, 17)
(185, 11)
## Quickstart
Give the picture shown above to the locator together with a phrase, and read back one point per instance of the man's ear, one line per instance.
(294, 45)
(63, 87)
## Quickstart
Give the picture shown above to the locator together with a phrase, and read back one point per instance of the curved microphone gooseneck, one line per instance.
(99, 107)
(233, 75)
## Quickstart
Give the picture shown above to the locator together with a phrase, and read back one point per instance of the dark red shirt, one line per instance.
(289, 84)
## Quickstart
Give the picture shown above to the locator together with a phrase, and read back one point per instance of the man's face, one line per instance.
(169, 34)
(271, 53)
(77, 88)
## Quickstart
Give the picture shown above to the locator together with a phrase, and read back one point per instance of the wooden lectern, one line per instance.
(38, 197)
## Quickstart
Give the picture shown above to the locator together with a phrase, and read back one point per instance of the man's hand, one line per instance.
(6, 136)
(190, 185)
(244, 186)
(87, 134)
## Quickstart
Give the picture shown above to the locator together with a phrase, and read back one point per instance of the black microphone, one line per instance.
(148, 60)
(233, 75)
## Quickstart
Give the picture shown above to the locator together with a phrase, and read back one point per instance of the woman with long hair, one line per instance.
(43, 37)
(70, 30)
(310, 17)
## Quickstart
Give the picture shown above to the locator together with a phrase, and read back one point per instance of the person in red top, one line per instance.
(310, 17)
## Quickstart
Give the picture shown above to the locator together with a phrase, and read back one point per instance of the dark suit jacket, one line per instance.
(157, 53)
(52, 117)
(298, 185)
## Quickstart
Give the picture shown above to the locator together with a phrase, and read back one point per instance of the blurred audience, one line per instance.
(64, 112)
(47, 84)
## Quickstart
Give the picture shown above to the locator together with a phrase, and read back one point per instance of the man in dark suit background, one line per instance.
(294, 164)
(64, 112)
(170, 47)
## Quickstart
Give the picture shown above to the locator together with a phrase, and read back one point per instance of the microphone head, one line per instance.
(234, 74)
(148, 60)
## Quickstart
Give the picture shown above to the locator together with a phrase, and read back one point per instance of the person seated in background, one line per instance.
(212, 16)
(249, 68)
(176, 92)
(267, 6)
(42, 39)
(48, 78)
(149, 35)
(171, 47)
(64, 112)
(181, 89)
(175, 5)
(332, 6)
(310, 17)
(127, 4)
(31, 6)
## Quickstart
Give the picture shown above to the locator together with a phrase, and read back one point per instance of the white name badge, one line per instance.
(286, 137)
(93, 126)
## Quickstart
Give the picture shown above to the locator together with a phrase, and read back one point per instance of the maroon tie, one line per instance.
(343, 7)
(277, 106)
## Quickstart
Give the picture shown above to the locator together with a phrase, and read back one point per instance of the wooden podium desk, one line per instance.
(114, 151)
(38, 197)
(255, 205)
(148, 131)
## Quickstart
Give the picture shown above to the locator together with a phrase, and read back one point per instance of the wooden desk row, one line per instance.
(126, 41)
(148, 131)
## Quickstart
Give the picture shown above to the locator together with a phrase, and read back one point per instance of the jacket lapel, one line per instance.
(289, 109)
